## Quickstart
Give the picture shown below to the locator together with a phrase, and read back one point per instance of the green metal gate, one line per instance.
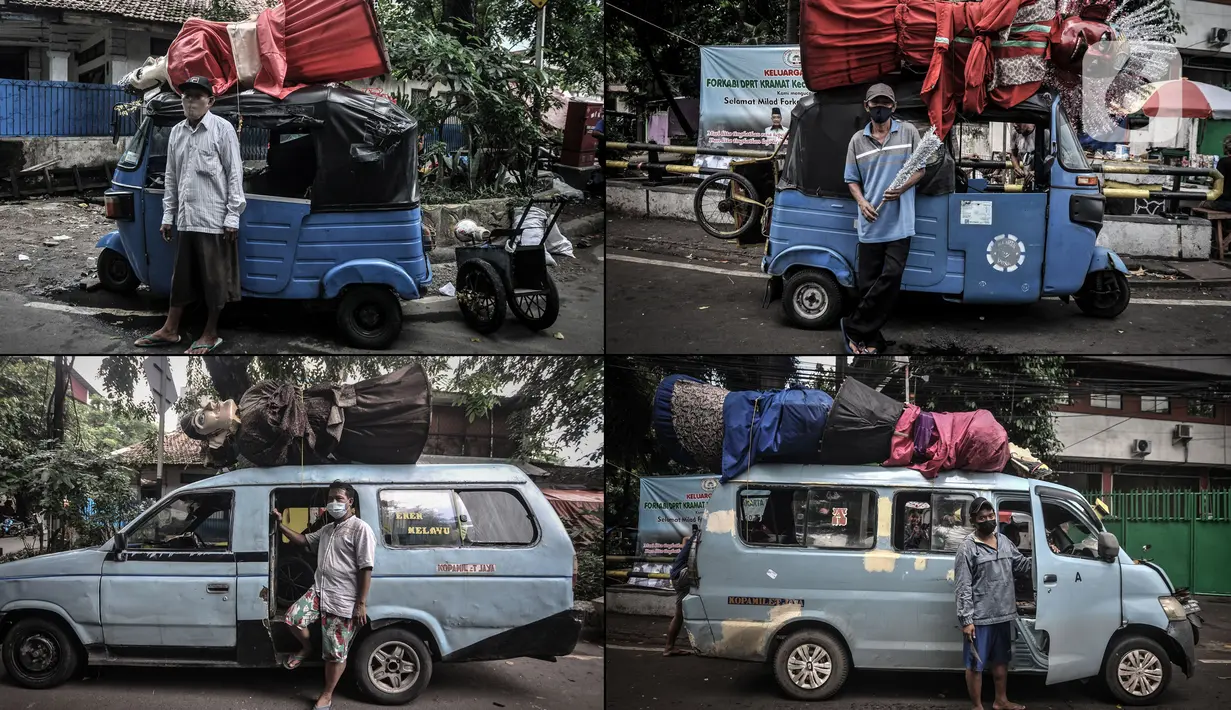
(1189, 533)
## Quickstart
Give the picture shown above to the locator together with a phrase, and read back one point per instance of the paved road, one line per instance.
(572, 683)
(662, 301)
(643, 680)
(77, 322)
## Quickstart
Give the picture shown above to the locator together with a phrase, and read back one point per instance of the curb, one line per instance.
(1181, 283)
(432, 309)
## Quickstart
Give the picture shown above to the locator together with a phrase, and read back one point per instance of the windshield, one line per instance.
(136, 145)
(1072, 157)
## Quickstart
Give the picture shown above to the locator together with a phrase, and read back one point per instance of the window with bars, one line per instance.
(1201, 408)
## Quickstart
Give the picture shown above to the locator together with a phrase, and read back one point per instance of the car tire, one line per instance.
(820, 648)
(812, 299)
(1145, 654)
(51, 659)
(1113, 297)
(368, 666)
(115, 273)
(370, 317)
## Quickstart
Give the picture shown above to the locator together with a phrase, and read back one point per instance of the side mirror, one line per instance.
(115, 126)
(121, 542)
(1108, 547)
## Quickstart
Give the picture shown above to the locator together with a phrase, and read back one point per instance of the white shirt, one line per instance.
(342, 549)
(205, 177)
(1024, 147)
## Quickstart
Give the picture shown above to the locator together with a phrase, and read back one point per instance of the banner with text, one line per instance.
(747, 94)
(670, 506)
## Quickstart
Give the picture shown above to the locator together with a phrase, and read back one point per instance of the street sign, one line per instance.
(538, 3)
(158, 374)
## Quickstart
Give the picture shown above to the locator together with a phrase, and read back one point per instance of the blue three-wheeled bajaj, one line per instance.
(332, 214)
(974, 242)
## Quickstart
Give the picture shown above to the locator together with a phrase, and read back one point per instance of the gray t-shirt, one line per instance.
(342, 549)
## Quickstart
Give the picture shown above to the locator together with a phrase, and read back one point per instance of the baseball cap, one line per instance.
(199, 82)
(880, 90)
(977, 505)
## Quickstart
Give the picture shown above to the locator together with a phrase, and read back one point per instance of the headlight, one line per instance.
(1173, 608)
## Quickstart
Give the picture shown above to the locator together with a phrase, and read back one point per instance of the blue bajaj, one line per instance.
(975, 242)
(332, 214)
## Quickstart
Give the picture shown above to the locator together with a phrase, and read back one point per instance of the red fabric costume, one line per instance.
(300, 42)
(975, 53)
(973, 441)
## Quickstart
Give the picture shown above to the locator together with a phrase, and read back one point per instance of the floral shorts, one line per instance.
(336, 631)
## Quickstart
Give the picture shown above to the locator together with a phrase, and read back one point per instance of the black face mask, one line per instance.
(986, 527)
(880, 114)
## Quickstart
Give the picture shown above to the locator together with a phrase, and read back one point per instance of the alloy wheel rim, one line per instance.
(1140, 673)
(393, 667)
(809, 666)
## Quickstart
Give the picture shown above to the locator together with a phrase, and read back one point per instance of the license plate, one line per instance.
(1192, 607)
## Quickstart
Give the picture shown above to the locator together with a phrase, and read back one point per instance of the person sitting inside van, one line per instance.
(984, 570)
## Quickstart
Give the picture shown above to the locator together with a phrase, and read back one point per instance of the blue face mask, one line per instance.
(880, 114)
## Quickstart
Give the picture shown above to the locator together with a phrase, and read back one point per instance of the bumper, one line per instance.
(1182, 633)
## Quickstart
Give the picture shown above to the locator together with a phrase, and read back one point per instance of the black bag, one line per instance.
(860, 426)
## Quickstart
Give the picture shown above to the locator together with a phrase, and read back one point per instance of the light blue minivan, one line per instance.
(472, 564)
(823, 569)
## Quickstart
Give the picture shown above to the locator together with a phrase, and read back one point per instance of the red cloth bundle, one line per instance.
(972, 441)
(202, 48)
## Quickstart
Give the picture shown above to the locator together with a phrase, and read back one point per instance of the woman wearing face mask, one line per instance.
(345, 553)
(987, 563)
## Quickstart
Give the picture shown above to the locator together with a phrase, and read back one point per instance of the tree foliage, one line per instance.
(563, 394)
(691, 25)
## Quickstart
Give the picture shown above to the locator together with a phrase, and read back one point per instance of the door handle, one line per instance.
(218, 588)
(1049, 579)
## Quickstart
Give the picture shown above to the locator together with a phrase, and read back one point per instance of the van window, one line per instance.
(418, 519)
(1068, 528)
(494, 518)
(185, 521)
(827, 518)
(931, 522)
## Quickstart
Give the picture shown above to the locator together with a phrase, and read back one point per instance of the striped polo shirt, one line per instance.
(874, 166)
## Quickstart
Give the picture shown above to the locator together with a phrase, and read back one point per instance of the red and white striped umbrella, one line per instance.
(1181, 98)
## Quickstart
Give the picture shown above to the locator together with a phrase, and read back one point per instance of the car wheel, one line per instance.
(812, 299)
(115, 273)
(1137, 671)
(370, 317)
(392, 666)
(39, 653)
(811, 665)
(1104, 295)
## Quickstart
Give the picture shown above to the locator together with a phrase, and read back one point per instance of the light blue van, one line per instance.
(824, 569)
(472, 564)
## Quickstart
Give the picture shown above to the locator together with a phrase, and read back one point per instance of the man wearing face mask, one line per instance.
(345, 551)
(202, 202)
(873, 158)
(984, 571)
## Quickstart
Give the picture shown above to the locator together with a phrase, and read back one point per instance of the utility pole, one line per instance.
(540, 38)
(55, 428)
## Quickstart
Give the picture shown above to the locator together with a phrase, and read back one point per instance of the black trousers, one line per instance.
(879, 279)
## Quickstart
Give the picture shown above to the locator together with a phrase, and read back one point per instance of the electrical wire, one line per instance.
(651, 24)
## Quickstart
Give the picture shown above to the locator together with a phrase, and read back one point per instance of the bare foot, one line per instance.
(675, 652)
(1007, 705)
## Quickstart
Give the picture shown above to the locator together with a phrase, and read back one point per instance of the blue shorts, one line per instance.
(995, 644)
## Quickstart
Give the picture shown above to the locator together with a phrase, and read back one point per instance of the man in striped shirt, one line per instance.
(203, 199)
(873, 159)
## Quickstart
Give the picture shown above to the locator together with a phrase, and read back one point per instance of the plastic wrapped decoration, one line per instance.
(687, 419)
(860, 426)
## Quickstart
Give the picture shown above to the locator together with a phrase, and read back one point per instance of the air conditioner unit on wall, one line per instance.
(1183, 432)
(1219, 36)
(1141, 447)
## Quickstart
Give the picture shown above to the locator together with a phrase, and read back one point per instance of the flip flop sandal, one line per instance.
(296, 660)
(208, 348)
(149, 341)
(847, 342)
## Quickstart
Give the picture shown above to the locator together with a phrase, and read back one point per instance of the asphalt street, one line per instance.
(574, 682)
(671, 289)
(642, 679)
(98, 322)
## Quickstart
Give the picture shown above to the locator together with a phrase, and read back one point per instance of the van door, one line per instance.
(171, 593)
(1078, 594)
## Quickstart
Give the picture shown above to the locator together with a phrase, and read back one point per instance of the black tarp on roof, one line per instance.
(366, 146)
(822, 124)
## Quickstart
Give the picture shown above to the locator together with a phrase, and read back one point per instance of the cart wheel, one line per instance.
(812, 299)
(370, 317)
(538, 310)
(1104, 295)
(718, 213)
(480, 295)
(115, 273)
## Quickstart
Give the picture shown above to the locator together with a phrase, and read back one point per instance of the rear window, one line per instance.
(825, 518)
(447, 518)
